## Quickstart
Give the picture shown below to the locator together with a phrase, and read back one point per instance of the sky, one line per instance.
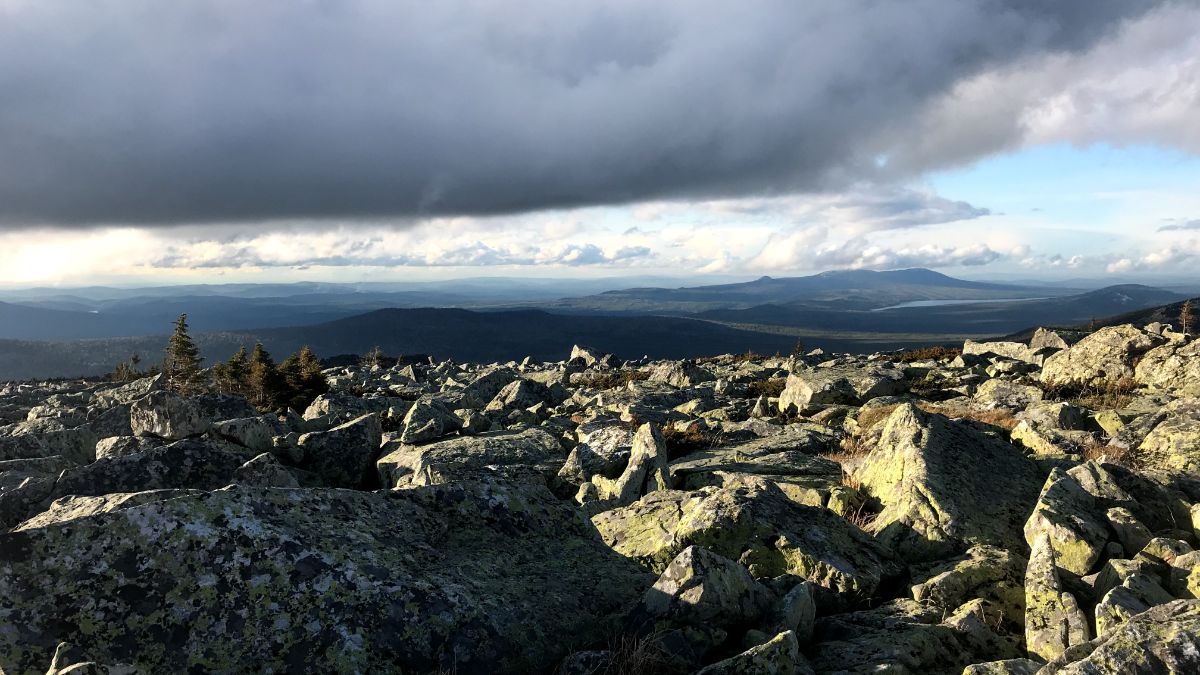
(369, 140)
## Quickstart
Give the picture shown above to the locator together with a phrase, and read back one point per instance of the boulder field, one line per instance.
(1009, 508)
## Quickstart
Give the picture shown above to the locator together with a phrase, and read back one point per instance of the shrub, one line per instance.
(934, 353)
(771, 387)
(613, 379)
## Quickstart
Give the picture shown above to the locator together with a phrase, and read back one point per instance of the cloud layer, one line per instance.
(151, 113)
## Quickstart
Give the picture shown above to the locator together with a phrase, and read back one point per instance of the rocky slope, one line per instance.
(1016, 508)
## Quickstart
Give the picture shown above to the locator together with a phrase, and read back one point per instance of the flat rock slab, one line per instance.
(471, 578)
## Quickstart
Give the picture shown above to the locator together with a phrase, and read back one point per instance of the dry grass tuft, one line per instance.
(613, 379)
(1110, 454)
(997, 417)
(1106, 396)
(935, 353)
(681, 443)
(863, 517)
(633, 655)
(869, 417)
(771, 387)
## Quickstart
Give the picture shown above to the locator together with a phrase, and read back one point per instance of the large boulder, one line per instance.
(778, 656)
(757, 526)
(428, 419)
(1009, 350)
(901, 636)
(849, 385)
(1071, 521)
(164, 414)
(345, 455)
(702, 588)
(680, 374)
(645, 472)
(468, 578)
(789, 460)
(532, 453)
(1173, 367)
(256, 433)
(1163, 639)
(189, 463)
(1054, 620)
(1173, 445)
(946, 484)
(1104, 357)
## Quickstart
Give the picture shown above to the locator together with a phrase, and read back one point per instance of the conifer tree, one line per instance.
(234, 373)
(301, 372)
(182, 362)
(262, 378)
(1185, 317)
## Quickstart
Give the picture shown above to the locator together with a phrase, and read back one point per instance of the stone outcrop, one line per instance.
(946, 484)
(1018, 508)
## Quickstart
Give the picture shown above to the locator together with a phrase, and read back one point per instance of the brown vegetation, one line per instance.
(1109, 395)
(682, 443)
(934, 353)
(997, 417)
(613, 379)
(770, 387)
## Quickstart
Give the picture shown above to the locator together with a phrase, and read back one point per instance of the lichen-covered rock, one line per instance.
(1137, 593)
(532, 452)
(901, 636)
(184, 464)
(838, 385)
(117, 446)
(1160, 640)
(795, 611)
(454, 578)
(1104, 357)
(428, 419)
(74, 507)
(1009, 350)
(1132, 534)
(167, 415)
(1173, 445)
(702, 588)
(1006, 394)
(255, 433)
(760, 528)
(789, 460)
(680, 374)
(985, 572)
(127, 393)
(779, 656)
(1005, 667)
(265, 471)
(1054, 621)
(345, 455)
(1068, 514)
(947, 484)
(1173, 367)
(521, 394)
(645, 472)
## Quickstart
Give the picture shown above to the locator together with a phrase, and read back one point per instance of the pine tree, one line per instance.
(262, 379)
(182, 362)
(1185, 317)
(234, 373)
(301, 373)
(374, 358)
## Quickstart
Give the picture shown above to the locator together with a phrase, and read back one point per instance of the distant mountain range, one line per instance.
(87, 331)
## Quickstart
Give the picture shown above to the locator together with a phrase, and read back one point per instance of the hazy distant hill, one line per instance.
(836, 290)
(995, 318)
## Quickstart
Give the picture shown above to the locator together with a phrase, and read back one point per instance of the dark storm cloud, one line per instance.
(123, 111)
